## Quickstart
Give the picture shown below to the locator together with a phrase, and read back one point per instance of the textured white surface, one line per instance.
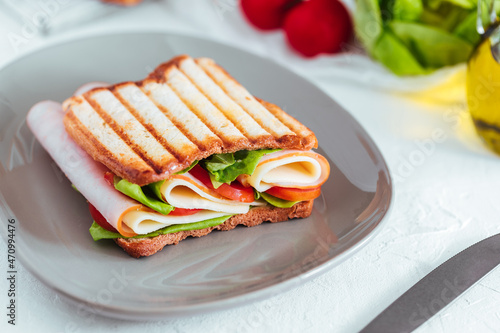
(446, 197)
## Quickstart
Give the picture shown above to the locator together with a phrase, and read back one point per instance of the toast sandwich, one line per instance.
(185, 151)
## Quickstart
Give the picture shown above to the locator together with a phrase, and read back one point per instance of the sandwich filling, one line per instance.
(215, 189)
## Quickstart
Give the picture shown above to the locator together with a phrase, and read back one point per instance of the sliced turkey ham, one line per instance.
(288, 168)
(45, 119)
(146, 222)
(185, 191)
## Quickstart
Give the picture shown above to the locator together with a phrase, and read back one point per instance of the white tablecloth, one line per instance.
(446, 198)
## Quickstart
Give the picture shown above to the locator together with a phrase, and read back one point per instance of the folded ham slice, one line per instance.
(45, 119)
(185, 191)
(289, 168)
(145, 222)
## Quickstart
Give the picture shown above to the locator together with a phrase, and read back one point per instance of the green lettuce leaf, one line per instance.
(459, 3)
(219, 162)
(408, 10)
(216, 184)
(432, 47)
(277, 202)
(187, 169)
(446, 17)
(225, 168)
(396, 56)
(155, 188)
(138, 193)
(97, 232)
(466, 30)
(368, 22)
(413, 37)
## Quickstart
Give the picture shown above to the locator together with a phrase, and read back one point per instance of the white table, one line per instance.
(446, 198)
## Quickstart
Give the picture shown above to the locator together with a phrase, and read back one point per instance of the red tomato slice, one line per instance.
(110, 178)
(202, 175)
(294, 194)
(235, 191)
(183, 211)
(99, 219)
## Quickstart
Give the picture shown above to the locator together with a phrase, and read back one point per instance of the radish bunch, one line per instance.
(312, 27)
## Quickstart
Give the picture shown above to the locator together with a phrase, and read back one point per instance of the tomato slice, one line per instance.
(235, 191)
(294, 194)
(202, 175)
(183, 211)
(99, 219)
(110, 178)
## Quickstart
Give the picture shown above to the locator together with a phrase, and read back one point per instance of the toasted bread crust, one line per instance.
(141, 247)
(185, 110)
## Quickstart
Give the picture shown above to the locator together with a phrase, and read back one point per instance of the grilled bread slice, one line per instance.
(185, 110)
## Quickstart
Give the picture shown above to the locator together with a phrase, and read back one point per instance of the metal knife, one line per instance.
(438, 288)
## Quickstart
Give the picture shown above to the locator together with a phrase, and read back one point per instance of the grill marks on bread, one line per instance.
(204, 109)
(128, 127)
(184, 111)
(153, 119)
(247, 125)
(102, 142)
(241, 96)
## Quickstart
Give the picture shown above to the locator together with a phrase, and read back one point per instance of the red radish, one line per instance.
(266, 14)
(318, 26)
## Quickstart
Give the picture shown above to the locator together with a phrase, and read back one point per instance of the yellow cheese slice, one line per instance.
(289, 168)
(185, 191)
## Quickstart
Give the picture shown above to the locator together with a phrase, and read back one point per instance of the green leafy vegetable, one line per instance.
(391, 50)
(216, 184)
(413, 37)
(140, 194)
(225, 168)
(187, 169)
(408, 10)
(219, 162)
(155, 188)
(97, 232)
(466, 30)
(272, 200)
(461, 3)
(368, 22)
(432, 47)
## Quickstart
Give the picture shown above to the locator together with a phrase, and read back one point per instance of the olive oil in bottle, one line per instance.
(483, 91)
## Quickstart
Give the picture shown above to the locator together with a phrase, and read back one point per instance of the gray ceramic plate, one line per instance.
(218, 271)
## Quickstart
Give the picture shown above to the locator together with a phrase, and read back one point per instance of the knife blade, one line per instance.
(438, 288)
